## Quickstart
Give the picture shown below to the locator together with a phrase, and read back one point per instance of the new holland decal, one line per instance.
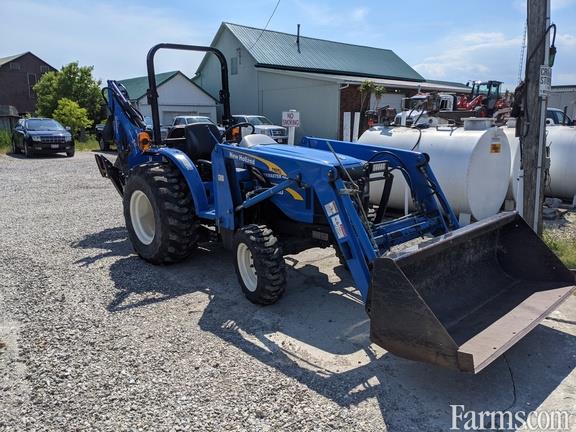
(277, 172)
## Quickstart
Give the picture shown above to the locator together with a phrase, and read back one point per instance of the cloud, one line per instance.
(490, 55)
(115, 40)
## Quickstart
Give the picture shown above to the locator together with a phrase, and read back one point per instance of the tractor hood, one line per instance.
(305, 154)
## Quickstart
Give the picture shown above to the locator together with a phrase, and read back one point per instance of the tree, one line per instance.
(70, 114)
(366, 88)
(72, 82)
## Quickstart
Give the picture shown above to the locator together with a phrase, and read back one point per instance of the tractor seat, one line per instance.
(256, 139)
(197, 140)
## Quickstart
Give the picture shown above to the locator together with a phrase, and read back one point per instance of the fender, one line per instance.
(190, 173)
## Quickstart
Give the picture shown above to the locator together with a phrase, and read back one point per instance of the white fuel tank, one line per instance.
(510, 130)
(562, 143)
(471, 163)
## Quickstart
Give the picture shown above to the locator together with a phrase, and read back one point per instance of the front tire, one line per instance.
(259, 264)
(15, 149)
(27, 152)
(71, 152)
(159, 213)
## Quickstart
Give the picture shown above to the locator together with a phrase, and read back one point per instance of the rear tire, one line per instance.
(159, 213)
(259, 264)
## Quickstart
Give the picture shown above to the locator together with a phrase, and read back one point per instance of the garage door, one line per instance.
(168, 116)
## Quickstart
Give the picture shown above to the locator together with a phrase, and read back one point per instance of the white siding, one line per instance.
(179, 96)
(243, 85)
(317, 101)
(256, 91)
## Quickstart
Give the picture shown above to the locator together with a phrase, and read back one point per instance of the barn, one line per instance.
(271, 72)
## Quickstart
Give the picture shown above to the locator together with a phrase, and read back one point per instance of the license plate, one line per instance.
(54, 146)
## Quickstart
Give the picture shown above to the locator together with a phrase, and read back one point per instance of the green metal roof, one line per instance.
(279, 50)
(138, 86)
(448, 83)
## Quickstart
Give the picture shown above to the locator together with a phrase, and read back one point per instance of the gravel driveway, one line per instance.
(96, 339)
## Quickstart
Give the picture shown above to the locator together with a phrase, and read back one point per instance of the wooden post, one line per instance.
(533, 144)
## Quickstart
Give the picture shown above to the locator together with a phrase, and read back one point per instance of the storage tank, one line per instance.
(471, 163)
(510, 130)
(562, 143)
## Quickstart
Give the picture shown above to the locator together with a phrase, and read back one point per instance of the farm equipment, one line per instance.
(458, 300)
(484, 99)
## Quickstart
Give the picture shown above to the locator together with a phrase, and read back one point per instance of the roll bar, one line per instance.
(152, 93)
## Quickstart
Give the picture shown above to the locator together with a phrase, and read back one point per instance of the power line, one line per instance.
(266, 26)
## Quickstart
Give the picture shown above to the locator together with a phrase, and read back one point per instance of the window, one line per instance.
(14, 66)
(234, 66)
(44, 69)
(31, 82)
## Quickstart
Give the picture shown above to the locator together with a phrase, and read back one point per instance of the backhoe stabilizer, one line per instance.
(462, 299)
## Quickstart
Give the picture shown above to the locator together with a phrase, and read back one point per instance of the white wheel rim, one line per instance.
(142, 216)
(246, 267)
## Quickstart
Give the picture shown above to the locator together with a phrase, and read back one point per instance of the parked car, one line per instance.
(557, 117)
(262, 125)
(186, 120)
(41, 136)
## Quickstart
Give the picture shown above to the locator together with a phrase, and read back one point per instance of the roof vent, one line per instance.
(298, 38)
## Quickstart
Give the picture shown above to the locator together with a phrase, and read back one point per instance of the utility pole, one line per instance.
(534, 130)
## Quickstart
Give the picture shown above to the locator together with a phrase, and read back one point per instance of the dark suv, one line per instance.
(41, 136)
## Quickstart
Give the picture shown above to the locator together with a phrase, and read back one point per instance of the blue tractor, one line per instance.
(459, 299)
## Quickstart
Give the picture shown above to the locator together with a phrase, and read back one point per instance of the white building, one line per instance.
(271, 72)
(177, 95)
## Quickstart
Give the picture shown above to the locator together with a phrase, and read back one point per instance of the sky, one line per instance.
(450, 40)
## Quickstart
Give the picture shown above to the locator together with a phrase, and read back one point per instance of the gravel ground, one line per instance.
(563, 227)
(93, 338)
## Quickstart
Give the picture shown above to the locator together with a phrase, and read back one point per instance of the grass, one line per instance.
(564, 248)
(5, 141)
(88, 144)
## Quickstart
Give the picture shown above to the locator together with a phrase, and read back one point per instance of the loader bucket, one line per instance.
(462, 299)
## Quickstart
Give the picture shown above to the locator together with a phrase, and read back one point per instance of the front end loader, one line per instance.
(458, 299)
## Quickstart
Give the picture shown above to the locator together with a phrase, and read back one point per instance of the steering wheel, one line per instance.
(238, 125)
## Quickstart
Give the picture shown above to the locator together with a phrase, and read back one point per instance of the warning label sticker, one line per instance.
(338, 227)
(331, 208)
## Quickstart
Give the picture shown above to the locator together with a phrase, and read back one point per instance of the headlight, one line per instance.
(36, 138)
(267, 132)
(68, 138)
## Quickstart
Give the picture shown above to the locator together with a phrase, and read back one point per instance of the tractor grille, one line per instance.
(277, 132)
(53, 139)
